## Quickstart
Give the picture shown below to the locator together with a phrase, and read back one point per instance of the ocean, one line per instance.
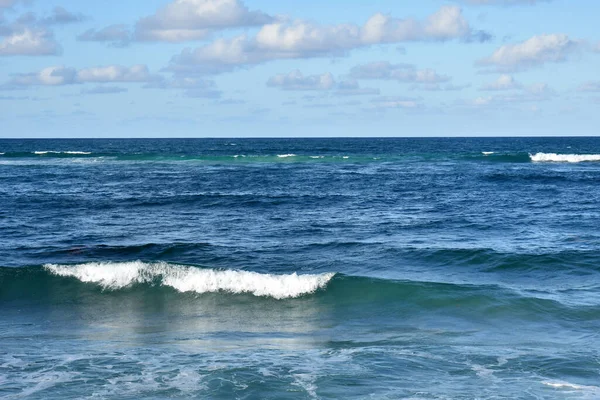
(365, 268)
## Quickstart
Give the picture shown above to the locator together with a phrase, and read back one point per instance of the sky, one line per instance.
(266, 68)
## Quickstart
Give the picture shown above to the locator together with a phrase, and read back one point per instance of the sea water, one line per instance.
(465, 268)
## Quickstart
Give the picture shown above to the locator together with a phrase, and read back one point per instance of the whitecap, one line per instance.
(570, 158)
(285, 155)
(60, 152)
(572, 386)
(114, 276)
(487, 153)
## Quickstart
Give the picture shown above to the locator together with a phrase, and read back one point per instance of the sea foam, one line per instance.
(60, 152)
(571, 158)
(191, 279)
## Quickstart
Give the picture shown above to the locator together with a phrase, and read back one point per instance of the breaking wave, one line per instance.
(115, 276)
(61, 152)
(570, 158)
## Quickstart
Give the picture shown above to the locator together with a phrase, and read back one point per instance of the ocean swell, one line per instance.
(115, 276)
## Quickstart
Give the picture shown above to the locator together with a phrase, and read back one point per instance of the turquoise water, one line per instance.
(300, 268)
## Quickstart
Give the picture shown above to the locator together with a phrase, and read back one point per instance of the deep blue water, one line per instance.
(300, 268)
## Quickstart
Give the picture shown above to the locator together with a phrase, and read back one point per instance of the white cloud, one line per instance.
(400, 72)
(192, 87)
(50, 76)
(28, 35)
(60, 75)
(184, 20)
(591, 86)
(301, 39)
(387, 102)
(352, 88)
(527, 94)
(446, 23)
(295, 80)
(61, 16)
(535, 51)
(104, 90)
(436, 87)
(504, 2)
(8, 3)
(117, 34)
(115, 73)
(29, 42)
(504, 82)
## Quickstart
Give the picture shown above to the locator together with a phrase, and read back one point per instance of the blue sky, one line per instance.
(240, 68)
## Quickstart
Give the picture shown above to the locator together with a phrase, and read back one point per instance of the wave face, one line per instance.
(569, 158)
(115, 276)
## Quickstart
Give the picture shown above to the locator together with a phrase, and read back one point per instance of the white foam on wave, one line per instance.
(286, 155)
(61, 152)
(487, 153)
(573, 386)
(190, 279)
(571, 158)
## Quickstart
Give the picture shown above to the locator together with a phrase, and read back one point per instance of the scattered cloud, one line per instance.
(295, 80)
(527, 94)
(117, 35)
(60, 75)
(591, 86)
(104, 90)
(10, 3)
(116, 73)
(184, 20)
(532, 52)
(352, 88)
(387, 102)
(399, 72)
(29, 35)
(301, 39)
(28, 42)
(192, 87)
(436, 87)
(504, 82)
(504, 2)
(60, 16)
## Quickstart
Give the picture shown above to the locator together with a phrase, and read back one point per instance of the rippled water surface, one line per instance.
(300, 268)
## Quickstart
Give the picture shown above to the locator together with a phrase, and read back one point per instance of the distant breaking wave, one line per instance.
(115, 276)
(570, 158)
(61, 152)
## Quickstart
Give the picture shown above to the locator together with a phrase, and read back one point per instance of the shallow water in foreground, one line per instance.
(300, 268)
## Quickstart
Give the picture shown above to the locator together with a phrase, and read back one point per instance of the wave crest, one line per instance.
(61, 152)
(571, 158)
(191, 279)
